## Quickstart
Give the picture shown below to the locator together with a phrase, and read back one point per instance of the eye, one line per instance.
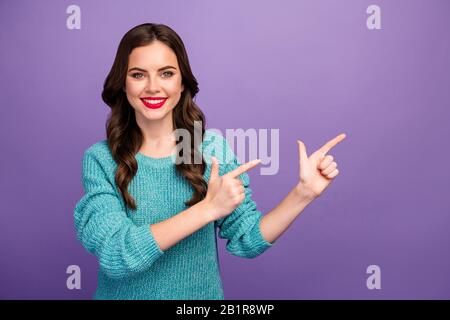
(168, 72)
(137, 73)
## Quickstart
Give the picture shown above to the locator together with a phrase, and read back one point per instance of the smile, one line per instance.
(153, 103)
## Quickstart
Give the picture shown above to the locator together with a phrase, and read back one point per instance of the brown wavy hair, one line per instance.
(125, 137)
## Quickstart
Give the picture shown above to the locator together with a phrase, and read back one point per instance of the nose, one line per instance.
(152, 85)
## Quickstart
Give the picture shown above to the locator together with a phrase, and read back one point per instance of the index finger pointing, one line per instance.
(243, 168)
(330, 144)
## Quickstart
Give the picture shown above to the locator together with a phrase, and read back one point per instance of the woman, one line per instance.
(150, 214)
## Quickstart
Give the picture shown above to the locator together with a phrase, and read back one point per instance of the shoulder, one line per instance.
(99, 153)
(212, 136)
(215, 144)
(99, 149)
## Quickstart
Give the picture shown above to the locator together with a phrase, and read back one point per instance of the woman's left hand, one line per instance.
(318, 170)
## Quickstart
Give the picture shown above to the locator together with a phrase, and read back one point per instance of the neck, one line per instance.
(158, 131)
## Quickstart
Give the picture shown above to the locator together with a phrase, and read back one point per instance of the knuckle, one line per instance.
(333, 173)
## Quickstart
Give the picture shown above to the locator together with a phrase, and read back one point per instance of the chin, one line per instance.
(155, 114)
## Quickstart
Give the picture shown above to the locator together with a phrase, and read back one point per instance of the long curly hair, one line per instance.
(125, 137)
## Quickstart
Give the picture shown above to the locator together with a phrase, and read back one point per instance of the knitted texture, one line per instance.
(131, 264)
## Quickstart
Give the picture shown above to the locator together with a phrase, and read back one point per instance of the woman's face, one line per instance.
(153, 83)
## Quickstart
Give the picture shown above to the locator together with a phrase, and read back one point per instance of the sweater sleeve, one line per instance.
(103, 228)
(242, 227)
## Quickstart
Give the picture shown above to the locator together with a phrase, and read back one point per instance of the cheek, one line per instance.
(174, 87)
(134, 88)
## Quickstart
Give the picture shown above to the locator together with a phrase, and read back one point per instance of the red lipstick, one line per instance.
(149, 102)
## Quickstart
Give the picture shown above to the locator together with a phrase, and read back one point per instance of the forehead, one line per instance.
(152, 56)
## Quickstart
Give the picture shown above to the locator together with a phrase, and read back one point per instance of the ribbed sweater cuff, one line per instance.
(260, 244)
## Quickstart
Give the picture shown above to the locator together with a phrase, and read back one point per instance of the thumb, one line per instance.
(214, 169)
(302, 156)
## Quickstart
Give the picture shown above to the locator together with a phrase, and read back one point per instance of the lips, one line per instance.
(153, 102)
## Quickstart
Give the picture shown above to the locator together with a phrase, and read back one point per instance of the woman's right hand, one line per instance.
(225, 193)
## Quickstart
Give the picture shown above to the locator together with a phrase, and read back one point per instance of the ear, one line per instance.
(182, 87)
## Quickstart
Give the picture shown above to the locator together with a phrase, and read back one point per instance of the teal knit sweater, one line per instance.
(131, 264)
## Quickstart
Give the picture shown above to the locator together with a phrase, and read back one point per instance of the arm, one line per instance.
(169, 232)
(103, 228)
(274, 223)
(242, 226)
(316, 174)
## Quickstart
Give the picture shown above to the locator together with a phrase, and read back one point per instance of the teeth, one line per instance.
(154, 101)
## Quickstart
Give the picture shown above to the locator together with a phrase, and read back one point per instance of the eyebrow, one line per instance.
(160, 69)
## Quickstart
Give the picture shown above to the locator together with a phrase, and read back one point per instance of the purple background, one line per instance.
(309, 68)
